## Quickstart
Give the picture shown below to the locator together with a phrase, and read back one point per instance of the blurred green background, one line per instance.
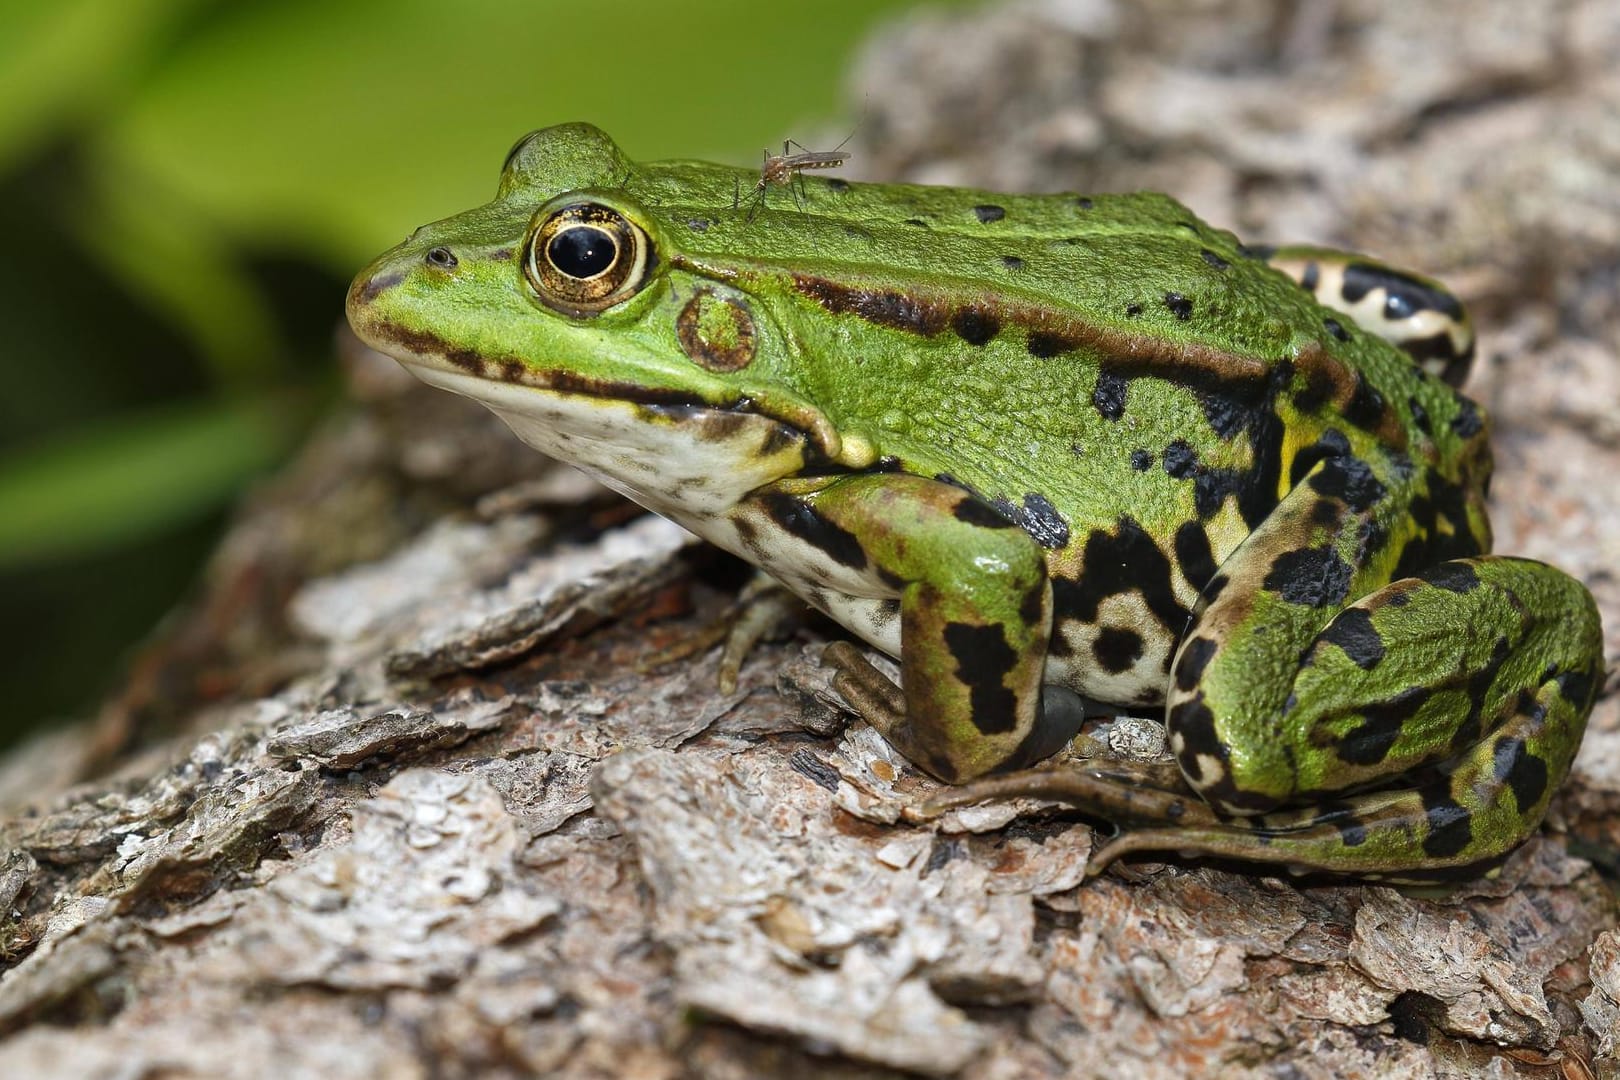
(186, 187)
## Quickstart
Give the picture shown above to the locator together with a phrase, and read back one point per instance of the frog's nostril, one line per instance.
(442, 257)
(370, 285)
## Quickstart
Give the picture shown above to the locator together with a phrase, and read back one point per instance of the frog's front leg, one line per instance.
(975, 612)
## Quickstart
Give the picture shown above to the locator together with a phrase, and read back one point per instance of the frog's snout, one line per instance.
(367, 286)
(372, 283)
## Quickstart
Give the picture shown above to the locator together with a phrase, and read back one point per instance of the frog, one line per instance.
(1059, 456)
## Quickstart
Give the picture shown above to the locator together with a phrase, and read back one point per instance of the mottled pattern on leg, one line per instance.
(975, 614)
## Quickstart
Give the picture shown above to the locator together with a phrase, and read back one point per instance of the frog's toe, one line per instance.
(759, 613)
(1115, 789)
(764, 607)
(873, 695)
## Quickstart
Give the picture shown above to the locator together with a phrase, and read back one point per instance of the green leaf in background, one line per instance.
(62, 62)
(182, 267)
(339, 127)
(122, 480)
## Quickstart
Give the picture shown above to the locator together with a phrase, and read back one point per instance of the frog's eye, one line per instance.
(585, 258)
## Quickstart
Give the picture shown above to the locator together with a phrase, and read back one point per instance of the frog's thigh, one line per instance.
(975, 617)
(1508, 657)
(1421, 672)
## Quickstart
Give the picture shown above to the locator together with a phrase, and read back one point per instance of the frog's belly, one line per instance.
(1102, 666)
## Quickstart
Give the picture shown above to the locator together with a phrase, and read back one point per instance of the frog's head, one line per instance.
(561, 306)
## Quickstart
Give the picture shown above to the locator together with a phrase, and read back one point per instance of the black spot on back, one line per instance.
(1141, 460)
(1350, 480)
(1226, 415)
(1336, 328)
(1044, 346)
(975, 326)
(1468, 422)
(1178, 305)
(988, 213)
(1450, 500)
(1109, 395)
(1420, 416)
(1211, 486)
(1314, 393)
(1042, 521)
(1180, 459)
(1012, 262)
(1213, 259)
(1366, 406)
(1330, 444)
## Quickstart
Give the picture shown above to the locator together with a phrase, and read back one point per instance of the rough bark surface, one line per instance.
(404, 793)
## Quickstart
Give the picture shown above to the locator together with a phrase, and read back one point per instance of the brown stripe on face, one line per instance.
(422, 343)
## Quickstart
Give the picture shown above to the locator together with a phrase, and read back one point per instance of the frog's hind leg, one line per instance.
(1309, 675)
(1421, 727)
(1426, 726)
(1486, 722)
(1417, 313)
(1514, 706)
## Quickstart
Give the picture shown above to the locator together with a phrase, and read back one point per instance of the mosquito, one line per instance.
(786, 168)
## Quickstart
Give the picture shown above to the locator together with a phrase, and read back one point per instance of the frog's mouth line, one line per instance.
(428, 357)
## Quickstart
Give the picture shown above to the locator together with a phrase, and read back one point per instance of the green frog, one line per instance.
(1055, 454)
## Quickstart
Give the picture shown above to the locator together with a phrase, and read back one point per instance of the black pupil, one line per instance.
(1397, 306)
(581, 251)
